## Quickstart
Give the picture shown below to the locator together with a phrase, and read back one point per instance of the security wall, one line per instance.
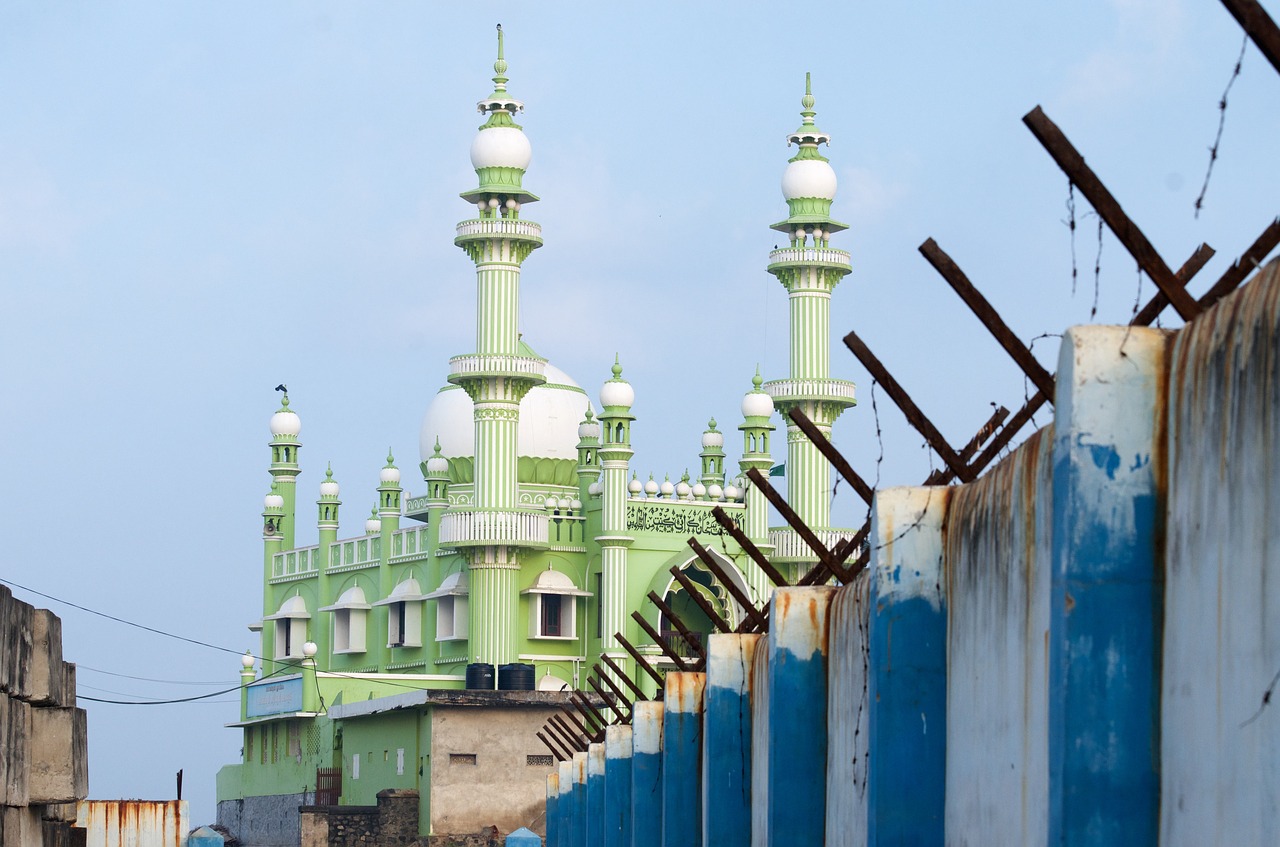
(1082, 647)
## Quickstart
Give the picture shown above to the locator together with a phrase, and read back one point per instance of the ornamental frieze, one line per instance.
(679, 520)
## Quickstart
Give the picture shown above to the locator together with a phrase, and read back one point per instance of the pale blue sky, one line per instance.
(201, 200)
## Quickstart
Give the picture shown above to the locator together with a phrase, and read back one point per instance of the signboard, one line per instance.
(275, 697)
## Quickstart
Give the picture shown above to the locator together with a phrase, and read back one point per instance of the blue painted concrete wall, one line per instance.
(726, 741)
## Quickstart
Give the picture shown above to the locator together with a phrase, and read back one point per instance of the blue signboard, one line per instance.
(275, 697)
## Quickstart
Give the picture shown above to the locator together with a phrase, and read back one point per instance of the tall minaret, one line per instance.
(285, 426)
(757, 408)
(616, 399)
(496, 377)
(809, 269)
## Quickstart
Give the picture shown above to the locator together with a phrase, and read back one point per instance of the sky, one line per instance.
(201, 200)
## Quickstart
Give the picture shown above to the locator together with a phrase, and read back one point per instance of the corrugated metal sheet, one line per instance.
(999, 554)
(133, 823)
(847, 715)
(760, 748)
(1220, 747)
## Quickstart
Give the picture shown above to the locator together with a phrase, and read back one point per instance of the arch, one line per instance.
(664, 583)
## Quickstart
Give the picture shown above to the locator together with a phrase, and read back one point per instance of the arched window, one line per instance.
(451, 607)
(553, 612)
(350, 621)
(290, 627)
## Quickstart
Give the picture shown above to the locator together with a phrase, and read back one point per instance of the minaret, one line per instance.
(272, 543)
(285, 426)
(389, 492)
(588, 453)
(757, 408)
(496, 377)
(327, 529)
(712, 456)
(616, 397)
(809, 269)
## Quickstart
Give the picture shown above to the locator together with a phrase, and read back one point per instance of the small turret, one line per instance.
(712, 456)
(588, 453)
(436, 475)
(327, 507)
(285, 426)
(389, 493)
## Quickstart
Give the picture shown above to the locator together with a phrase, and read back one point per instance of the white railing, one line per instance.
(788, 545)
(504, 226)
(487, 363)
(462, 529)
(410, 541)
(819, 389)
(809, 255)
(301, 560)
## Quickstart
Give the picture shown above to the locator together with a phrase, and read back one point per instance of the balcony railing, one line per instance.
(471, 364)
(788, 546)
(524, 230)
(478, 528)
(809, 256)
(829, 390)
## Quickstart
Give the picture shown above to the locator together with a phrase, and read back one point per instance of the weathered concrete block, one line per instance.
(60, 812)
(46, 674)
(15, 646)
(22, 827)
(15, 727)
(58, 770)
(68, 684)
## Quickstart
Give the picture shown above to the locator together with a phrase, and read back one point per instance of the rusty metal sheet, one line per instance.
(133, 823)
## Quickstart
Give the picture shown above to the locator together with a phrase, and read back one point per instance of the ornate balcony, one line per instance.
(482, 528)
(788, 257)
(530, 368)
(784, 391)
(501, 228)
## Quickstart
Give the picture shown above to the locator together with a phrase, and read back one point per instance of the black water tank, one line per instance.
(479, 676)
(516, 676)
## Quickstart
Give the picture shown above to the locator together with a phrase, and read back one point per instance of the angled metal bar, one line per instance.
(1005, 435)
(695, 644)
(641, 661)
(984, 432)
(567, 732)
(1108, 208)
(661, 642)
(1258, 24)
(555, 751)
(982, 308)
(731, 526)
(601, 720)
(700, 601)
(635, 689)
(801, 528)
(613, 687)
(914, 416)
(554, 731)
(608, 701)
(827, 449)
(1148, 313)
(743, 600)
(1245, 265)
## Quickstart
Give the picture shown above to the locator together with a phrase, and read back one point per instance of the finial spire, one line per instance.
(391, 460)
(807, 101)
(617, 367)
(500, 67)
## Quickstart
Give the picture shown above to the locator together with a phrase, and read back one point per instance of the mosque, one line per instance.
(529, 549)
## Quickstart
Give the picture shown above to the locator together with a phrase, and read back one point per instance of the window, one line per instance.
(290, 628)
(404, 614)
(553, 608)
(550, 623)
(350, 620)
(399, 761)
(248, 744)
(355, 766)
(451, 607)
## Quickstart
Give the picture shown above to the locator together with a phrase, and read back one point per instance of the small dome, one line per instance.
(699, 490)
(328, 488)
(575, 504)
(594, 489)
(589, 429)
(715, 492)
(246, 661)
(310, 649)
(757, 404)
(651, 487)
(667, 488)
(731, 493)
(389, 476)
(501, 147)
(682, 489)
(713, 439)
(372, 526)
(273, 501)
(408, 589)
(635, 486)
(809, 178)
(286, 422)
(437, 465)
(617, 392)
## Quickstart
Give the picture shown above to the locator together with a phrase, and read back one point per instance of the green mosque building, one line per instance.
(530, 547)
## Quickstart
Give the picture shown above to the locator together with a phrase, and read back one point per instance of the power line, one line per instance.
(121, 620)
(84, 667)
(287, 669)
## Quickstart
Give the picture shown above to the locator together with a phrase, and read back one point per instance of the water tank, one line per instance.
(516, 676)
(480, 676)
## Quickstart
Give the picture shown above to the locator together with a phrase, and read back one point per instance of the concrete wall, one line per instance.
(464, 796)
(43, 736)
(266, 821)
(1079, 648)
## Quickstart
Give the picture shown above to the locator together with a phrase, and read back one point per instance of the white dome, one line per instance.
(713, 439)
(731, 493)
(501, 147)
(286, 422)
(273, 501)
(699, 490)
(617, 393)
(372, 526)
(589, 429)
(682, 488)
(757, 404)
(809, 178)
(715, 492)
(329, 488)
(667, 488)
(437, 465)
(389, 476)
(651, 487)
(549, 416)
(635, 486)
(594, 489)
